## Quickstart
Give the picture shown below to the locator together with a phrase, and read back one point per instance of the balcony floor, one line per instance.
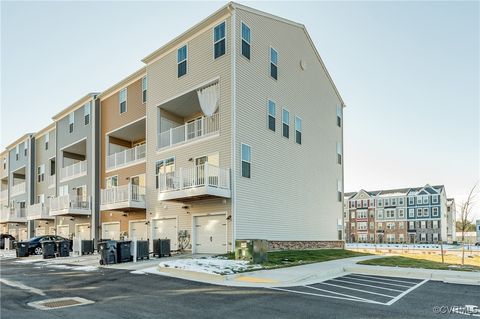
(125, 205)
(194, 193)
(70, 211)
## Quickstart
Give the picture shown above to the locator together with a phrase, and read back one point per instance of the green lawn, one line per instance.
(399, 261)
(288, 258)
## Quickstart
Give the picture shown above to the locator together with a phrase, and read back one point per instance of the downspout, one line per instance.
(234, 126)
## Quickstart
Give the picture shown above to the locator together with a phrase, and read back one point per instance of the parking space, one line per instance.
(360, 288)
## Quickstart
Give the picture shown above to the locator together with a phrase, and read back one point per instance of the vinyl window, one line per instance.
(246, 161)
(298, 130)
(435, 211)
(285, 123)
(339, 116)
(86, 112)
(273, 63)
(271, 113)
(122, 99)
(401, 213)
(47, 140)
(182, 61)
(411, 213)
(380, 213)
(411, 201)
(165, 168)
(434, 199)
(144, 89)
(339, 190)
(435, 224)
(17, 151)
(361, 214)
(245, 41)
(339, 153)
(71, 120)
(380, 202)
(111, 181)
(25, 148)
(219, 40)
(41, 173)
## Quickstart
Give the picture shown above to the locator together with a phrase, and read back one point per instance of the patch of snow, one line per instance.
(219, 266)
(78, 268)
(28, 260)
(138, 272)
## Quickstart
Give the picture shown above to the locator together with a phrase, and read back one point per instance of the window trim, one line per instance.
(271, 62)
(186, 60)
(274, 116)
(224, 38)
(283, 123)
(71, 122)
(300, 131)
(120, 102)
(110, 178)
(47, 140)
(242, 23)
(89, 103)
(157, 184)
(242, 160)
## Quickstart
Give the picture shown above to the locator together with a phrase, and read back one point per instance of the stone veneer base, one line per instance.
(301, 245)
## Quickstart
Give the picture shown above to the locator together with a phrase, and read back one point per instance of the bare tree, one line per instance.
(465, 216)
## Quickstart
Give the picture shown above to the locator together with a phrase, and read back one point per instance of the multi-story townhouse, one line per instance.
(244, 136)
(359, 215)
(407, 215)
(122, 158)
(20, 185)
(4, 191)
(42, 223)
(451, 220)
(75, 205)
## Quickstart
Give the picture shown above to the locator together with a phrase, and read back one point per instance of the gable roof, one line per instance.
(123, 83)
(74, 106)
(19, 140)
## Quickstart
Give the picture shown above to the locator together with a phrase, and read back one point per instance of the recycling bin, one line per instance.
(49, 248)
(161, 247)
(108, 252)
(63, 248)
(142, 249)
(86, 247)
(22, 249)
(124, 251)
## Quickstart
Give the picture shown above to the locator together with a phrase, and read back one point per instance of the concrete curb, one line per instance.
(191, 275)
(447, 276)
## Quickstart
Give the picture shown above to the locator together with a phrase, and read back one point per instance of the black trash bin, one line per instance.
(63, 248)
(86, 247)
(48, 249)
(142, 249)
(108, 252)
(161, 247)
(22, 249)
(124, 251)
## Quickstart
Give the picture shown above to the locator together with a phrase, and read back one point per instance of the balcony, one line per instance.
(3, 195)
(73, 171)
(189, 132)
(19, 189)
(70, 205)
(126, 157)
(38, 211)
(194, 182)
(51, 181)
(13, 215)
(122, 197)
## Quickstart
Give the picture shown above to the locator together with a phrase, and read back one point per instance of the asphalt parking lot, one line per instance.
(117, 293)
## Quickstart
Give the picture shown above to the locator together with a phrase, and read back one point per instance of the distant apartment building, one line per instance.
(232, 130)
(407, 215)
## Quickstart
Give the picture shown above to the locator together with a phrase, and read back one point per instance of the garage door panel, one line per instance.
(63, 231)
(83, 232)
(111, 231)
(210, 234)
(138, 230)
(166, 229)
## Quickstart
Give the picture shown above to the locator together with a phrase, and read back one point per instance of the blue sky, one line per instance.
(408, 71)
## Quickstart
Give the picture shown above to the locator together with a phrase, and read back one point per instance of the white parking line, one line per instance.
(355, 289)
(337, 293)
(379, 282)
(22, 286)
(391, 302)
(381, 278)
(326, 296)
(357, 283)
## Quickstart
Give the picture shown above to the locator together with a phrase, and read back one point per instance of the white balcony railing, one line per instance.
(3, 195)
(19, 189)
(126, 157)
(73, 171)
(16, 214)
(69, 203)
(192, 177)
(121, 194)
(38, 211)
(187, 132)
(51, 181)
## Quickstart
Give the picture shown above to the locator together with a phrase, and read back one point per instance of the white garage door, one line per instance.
(111, 231)
(51, 231)
(82, 231)
(138, 230)
(22, 234)
(40, 231)
(63, 231)
(210, 234)
(166, 229)
(14, 233)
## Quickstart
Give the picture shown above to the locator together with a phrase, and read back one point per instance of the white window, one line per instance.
(423, 224)
(387, 202)
(71, 120)
(400, 201)
(401, 213)
(391, 225)
(271, 114)
(4, 163)
(380, 202)
(63, 190)
(394, 202)
(425, 212)
(435, 211)
(182, 54)
(339, 116)
(364, 203)
(273, 63)
(339, 190)
(285, 123)
(122, 100)
(435, 199)
(144, 89)
(411, 201)
(391, 238)
(298, 130)
(380, 213)
(245, 41)
(401, 225)
(435, 237)
(411, 213)
(390, 213)
(362, 237)
(41, 173)
(246, 160)
(361, 214)
(111, 181)
(47, 140)
(419, 212)
(17, 151)
(339, 153)
(41, 198)
(423, 237)
(86, 112)
(435, 224)
(372, 225)
(362, 226)
(425, 199)
(25, 147)
(164, 170)
(401, 238)
(352, 214)
(419, 200)
(380, 226)
(219, 40)
(411, 225)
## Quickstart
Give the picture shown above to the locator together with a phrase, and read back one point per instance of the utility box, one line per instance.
(253, 250)
(63, 248)
(161, 247)
(22, 249)
(142, 249)
(86, 247)
(123, 251)
(49, 248)
(108, 252)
